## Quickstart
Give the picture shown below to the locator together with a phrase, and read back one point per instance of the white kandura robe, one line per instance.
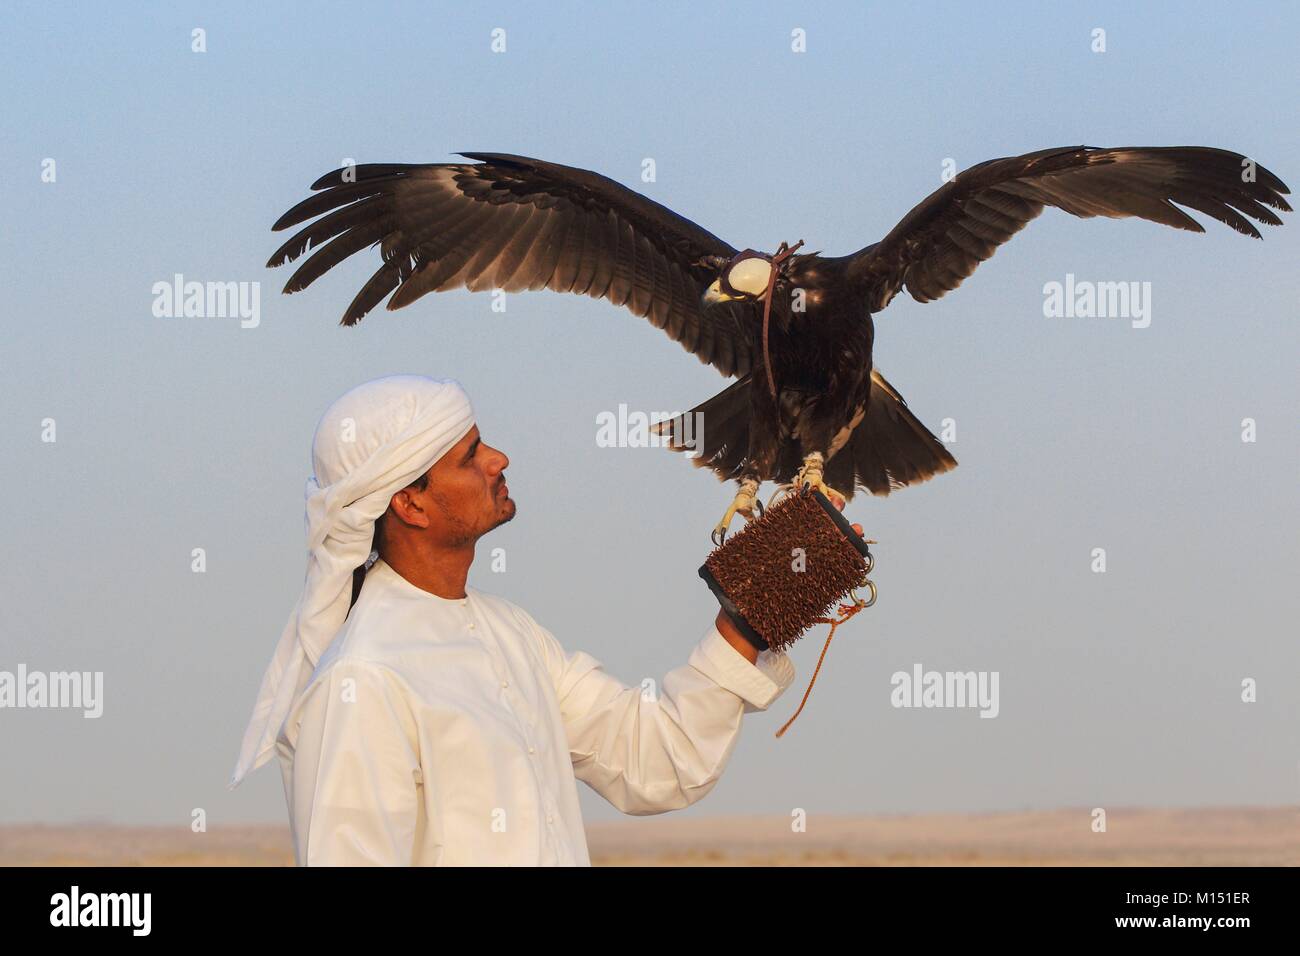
(451, 732)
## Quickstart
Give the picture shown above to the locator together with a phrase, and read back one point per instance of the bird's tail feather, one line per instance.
(889, 449)
(718, 428)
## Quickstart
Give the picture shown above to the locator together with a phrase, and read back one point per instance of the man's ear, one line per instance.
(409, 510)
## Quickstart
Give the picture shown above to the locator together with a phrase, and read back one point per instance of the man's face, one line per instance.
(467, 495)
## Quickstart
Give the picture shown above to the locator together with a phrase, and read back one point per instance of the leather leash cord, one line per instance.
(846, 612)
(783, 253)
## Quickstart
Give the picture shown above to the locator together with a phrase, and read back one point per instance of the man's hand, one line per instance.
(733, 635)
(839, 503)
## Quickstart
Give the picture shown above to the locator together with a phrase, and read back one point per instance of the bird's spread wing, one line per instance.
(516, 223)
(941, 241)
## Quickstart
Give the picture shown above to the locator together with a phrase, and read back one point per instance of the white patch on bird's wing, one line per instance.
(878, 381)
(843, 434)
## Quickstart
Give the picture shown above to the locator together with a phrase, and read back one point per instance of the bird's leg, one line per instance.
(811, 475)
(743, 504)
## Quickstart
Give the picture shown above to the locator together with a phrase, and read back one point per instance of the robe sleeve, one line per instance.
(649, 750)
(355, 779)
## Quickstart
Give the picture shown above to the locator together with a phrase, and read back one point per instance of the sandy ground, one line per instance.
(1207, 837)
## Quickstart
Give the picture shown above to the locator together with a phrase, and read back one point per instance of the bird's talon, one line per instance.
(743, 504)
(781, 492)
(811, 476)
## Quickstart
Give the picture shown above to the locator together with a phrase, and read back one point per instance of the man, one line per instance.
(431, 723)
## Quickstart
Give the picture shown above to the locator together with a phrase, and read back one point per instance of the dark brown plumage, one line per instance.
(943, 240)
(514, 223)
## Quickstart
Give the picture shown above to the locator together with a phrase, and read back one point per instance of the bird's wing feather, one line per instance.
(515, 223)
(961, 224)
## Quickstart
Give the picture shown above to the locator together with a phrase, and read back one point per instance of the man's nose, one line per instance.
(505, 461)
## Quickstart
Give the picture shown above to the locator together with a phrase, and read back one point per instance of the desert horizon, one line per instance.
(1137, 836)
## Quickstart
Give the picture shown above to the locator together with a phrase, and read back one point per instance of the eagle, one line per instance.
(808, 406)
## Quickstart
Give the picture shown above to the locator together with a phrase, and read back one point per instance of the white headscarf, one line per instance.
(369, 445)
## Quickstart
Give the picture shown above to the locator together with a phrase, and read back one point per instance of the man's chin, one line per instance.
(508, 510)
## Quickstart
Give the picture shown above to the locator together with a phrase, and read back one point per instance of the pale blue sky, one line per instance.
(1116, 689)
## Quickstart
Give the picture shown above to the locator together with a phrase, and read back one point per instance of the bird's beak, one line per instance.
(714, 295)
